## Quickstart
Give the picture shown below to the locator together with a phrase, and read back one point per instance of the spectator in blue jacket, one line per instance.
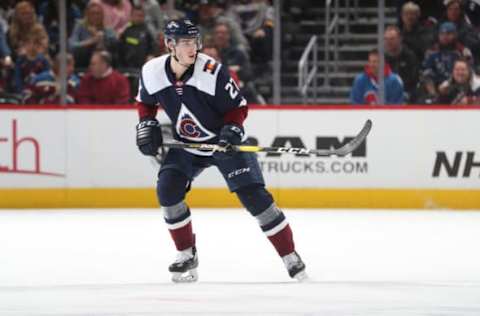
(438, 63)
(365, 86)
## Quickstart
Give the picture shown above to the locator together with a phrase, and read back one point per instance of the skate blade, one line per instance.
(301, 277)
(186, 277)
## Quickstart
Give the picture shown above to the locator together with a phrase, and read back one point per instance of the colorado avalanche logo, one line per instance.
(189, 127)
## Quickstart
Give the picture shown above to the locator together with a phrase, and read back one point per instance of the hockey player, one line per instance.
(204, 105)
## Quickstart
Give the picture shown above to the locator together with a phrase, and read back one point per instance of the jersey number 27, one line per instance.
(232, 88)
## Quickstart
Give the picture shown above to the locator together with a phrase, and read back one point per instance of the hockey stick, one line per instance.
(342, 151)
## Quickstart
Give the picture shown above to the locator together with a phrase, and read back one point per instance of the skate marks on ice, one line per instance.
(240, 298)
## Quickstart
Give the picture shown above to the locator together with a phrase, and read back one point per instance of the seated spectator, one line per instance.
(438, 64)
(46, 85)
(256, 20)
(415, 36)
(30, 62)
(212, 51)
(116, 13)
(365, 86)
(48, 16)
(210, 12)
(235, 59)
(89, 35)
(462, 88)
(5, 53)
(466, 34)
(155, 15)
(402, 61)
(102, 84)
(472, 12)
(24, 24)
(136, 42)
(431, 10)
(160, 47)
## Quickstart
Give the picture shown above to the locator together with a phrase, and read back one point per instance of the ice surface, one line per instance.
(114, 262)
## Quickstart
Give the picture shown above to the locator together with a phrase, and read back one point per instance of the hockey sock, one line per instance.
(273, 223)
(179, 224)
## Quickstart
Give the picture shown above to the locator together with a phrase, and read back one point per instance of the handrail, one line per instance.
(305, 76)
(330, 26)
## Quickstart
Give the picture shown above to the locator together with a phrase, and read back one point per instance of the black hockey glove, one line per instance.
(230, 135)
(149, 136)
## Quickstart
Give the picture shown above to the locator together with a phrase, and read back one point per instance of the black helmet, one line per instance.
(181, 28)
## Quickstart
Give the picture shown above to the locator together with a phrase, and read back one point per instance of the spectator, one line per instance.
(438, 64)
(415, 36)
(155, 16)
(235, 59)
(466, 34)
(210, 13)
(102, 84)
(24, 24)
(431, 10)
(47, 83)
(462, 88)
(48, 16)
(212, 51)
(365, 86)
(30, 62)
(89, 35)
(402, 61)
(116, 13)
(472, 11)
(5, 53)
(256, 20)
(160, 47)
(136, 42)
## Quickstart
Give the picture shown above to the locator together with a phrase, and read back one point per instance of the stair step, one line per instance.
(320, 89)
(343, 21)
(321, 100)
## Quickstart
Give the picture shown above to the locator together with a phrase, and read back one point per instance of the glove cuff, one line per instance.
(234, 130)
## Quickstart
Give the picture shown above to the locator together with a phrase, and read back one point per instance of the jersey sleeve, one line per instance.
(142, 95)
(227, 94)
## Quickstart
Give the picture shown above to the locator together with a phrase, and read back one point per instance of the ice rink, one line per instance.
(114, 262)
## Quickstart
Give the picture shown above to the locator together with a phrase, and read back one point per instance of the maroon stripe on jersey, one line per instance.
(145, 110)
(283, 241)
(183, 237)
(236, 116)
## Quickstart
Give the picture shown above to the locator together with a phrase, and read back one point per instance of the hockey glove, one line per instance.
(149, 136)
(230, 135)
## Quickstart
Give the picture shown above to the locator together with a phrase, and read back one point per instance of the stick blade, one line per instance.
(357, 141)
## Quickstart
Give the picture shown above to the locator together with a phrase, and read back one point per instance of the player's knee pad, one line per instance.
(171, 187)
(255, 198)
(177, 215)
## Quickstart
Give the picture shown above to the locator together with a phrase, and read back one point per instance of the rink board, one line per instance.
(86, 157)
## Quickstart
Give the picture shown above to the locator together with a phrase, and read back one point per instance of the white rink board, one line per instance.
(95, 148)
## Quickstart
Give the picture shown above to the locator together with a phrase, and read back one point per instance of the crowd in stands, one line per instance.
(432, 56)
(109, 40)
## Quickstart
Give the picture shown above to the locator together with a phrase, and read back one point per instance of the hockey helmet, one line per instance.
(181, 28)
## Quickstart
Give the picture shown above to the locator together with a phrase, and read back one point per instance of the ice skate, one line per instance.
(184, 269)
(295, 266)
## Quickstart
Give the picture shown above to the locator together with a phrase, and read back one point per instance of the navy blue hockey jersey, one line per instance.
(196, 104)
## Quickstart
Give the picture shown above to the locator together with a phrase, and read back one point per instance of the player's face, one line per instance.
(186, 50)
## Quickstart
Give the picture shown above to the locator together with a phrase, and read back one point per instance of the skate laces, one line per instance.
(184, 255)
(291, 260)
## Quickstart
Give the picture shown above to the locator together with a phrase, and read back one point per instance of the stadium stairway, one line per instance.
(307, 18)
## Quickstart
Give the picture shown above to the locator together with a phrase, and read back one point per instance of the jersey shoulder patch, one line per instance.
(154, 76)
(205, 74)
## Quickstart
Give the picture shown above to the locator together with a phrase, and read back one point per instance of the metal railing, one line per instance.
(305, 74)
(331, 26)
